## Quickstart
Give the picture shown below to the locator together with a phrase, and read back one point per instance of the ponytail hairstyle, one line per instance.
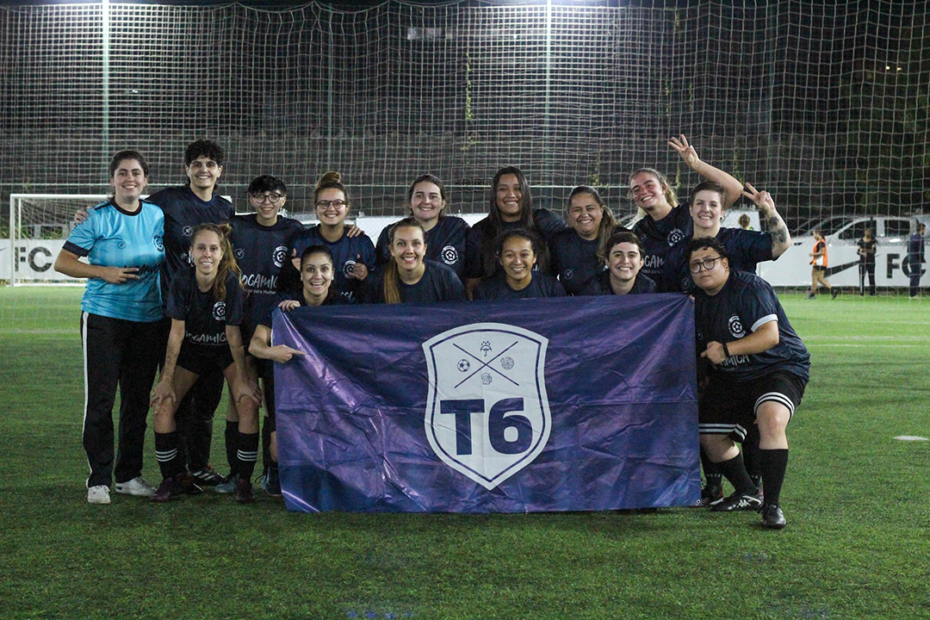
(429, 178)
(391, 276)
(227, 262)
(539, 248)
(608, 222)
(320, 249)
(495, 223)
(331, 180)
(670, 197)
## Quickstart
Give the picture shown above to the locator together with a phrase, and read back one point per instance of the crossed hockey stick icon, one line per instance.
(485, 364)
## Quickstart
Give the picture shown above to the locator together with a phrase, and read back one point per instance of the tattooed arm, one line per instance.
(771, 220)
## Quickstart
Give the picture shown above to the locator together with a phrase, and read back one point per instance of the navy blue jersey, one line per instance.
(346, 252)
(445, 243)
(743, 305)
(542, 285)
(746, 249)
(659, 237)
(268, 317)
(915, 251)
(183, 212)
(205, 318)
(113, 237)
(867, 251)
(439, 283)
(548, 224)
(262, 252)
(574, 260)
(600, 285)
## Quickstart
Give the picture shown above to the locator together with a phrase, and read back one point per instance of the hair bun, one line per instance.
(329, 178)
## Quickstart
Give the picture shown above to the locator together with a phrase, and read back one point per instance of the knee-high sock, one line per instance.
(774, 463)
(166, 452)
(247, 454)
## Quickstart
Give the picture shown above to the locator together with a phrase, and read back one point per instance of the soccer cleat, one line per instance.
(137, 486)
(244, 493)
(810, 295)
(188, 484)
(166, 491)
(98, 494)
(711, 495)
(834, 293)
(229, 486)
(208, 477)
(271, 482)
(738, 501)
(772, 517)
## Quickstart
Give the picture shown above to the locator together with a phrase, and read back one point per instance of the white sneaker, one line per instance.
(99, 494)
(137, 486)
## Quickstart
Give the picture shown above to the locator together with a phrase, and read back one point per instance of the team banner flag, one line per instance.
(549, 405)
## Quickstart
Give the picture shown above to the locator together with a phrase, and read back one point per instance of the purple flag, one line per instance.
(582, 403)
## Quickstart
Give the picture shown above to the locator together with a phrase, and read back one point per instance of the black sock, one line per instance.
(774, 463)
(751, 455)
(711, 471)
(734, 471)
(166, 452)
(247, 454)
(231, 434)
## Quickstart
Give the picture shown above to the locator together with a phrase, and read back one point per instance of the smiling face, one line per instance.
(706, 210)
(509, 197)
(267, 205)
(426, 203)
(316, 274)
(331, 206)
(517, 259)
(709, 279)
(585, 215)
(128, 181)
(203, 173)
(206, 252)
(648, 194)
(624, 261)
(408, 248)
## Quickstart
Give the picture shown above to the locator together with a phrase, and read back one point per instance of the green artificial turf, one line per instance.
(857, 543)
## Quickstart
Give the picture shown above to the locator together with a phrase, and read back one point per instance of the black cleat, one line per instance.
(711, 495)
(772, 517)
(739, 501)
(244, 492)
(834, 293)
(207, 477)
(271, 482)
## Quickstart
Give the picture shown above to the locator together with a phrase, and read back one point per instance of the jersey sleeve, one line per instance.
(756, 245)
(235, 300)
(383, 248)
(178, 297)
(366, 250)
(473, 243)
(758, 304)
(548, 223)
(555, 288)
(455, 290)
(82, 238)
(676, 277)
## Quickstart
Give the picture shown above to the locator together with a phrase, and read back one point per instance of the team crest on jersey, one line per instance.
(187, 231)
(568, 274)
(487, 411)
(239, 253)
(347, 267)
(449, 255)
(219, 311)
(675, 236)
(159, 243)
(736, 327)
(279, 256)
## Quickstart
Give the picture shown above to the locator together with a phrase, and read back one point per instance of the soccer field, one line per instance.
(856, 498)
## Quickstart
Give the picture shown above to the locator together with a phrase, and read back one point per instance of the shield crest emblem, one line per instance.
(487, 411)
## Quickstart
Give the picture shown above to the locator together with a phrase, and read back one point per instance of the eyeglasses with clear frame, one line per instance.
(703, 265)
(324, 204)
(274, 198)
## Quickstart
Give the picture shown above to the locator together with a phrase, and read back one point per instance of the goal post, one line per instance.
(39, 226)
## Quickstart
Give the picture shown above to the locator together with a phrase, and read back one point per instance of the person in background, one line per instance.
(915, 258)
(120, 318)
(867, 246)
(819, 263)
(744, 222)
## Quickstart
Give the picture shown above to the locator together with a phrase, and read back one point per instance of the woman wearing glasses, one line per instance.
(260, 241)
(354, 256)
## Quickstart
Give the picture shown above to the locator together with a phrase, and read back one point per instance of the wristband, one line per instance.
(726, 351)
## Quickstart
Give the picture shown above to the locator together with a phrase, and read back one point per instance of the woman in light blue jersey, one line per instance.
(121, 313)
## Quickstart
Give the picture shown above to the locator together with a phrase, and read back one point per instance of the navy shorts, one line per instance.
(201, 360)
(729, 407)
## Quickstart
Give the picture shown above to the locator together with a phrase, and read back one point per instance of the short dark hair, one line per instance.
(204, 148)
(621, 236)
(709, 186)
(128, 154)
(706, 243)
(267, 183)
(316, 249)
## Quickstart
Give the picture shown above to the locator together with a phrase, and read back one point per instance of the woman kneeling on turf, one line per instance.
(205, 306)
